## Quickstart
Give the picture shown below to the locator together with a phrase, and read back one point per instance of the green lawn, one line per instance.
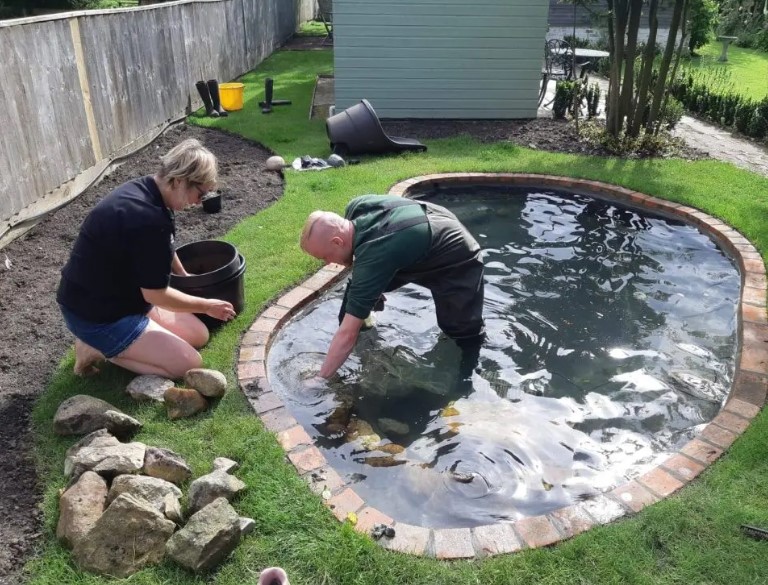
(748, 68)
(691, 538)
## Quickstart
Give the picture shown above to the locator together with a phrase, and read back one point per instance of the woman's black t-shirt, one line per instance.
(126, 243)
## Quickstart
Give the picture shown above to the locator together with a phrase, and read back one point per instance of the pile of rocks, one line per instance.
(121, 510)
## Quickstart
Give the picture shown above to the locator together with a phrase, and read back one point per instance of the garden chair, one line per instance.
(558, 65)
(325, 14)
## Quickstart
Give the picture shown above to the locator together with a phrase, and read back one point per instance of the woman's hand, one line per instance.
(221, 310)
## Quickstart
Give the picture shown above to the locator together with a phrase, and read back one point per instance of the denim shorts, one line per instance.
(111, 339)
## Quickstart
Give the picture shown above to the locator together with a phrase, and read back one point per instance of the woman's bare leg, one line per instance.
(185, 325)
(85, 358)
(160, 352)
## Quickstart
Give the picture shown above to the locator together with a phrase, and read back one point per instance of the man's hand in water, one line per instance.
(314, 383)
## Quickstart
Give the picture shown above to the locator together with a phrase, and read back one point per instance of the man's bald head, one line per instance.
(327, 236)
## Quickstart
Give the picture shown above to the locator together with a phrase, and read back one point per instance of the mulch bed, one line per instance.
(33, 337)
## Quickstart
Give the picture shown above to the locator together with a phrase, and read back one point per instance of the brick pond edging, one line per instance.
(744, 401)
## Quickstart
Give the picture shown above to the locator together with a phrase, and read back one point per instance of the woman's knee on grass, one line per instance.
(185, 325)
(158, 349)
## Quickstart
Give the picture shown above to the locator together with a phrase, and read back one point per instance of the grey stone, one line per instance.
(81, 414)
(172, 509)
(209, 536)
(128, 536)
(106, 460)
(167, 465)
(247, 525)
(151, 489)
(207, 488)
(148, 387)
(209, 383)
(80, 507)
(224, 464)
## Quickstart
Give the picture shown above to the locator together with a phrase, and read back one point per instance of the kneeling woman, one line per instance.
(114, 291)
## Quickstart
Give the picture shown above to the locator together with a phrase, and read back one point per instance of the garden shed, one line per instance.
(440, 58)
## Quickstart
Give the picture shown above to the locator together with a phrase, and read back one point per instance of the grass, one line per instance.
(690, 538)
(748, 68)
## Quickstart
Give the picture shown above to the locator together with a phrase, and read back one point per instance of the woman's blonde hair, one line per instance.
(189, 161)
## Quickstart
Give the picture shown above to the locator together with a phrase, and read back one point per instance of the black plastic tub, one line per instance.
(216, 275)
(208, 261)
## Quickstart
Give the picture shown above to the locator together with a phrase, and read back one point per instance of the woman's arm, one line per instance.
(179, 302)
(177, 267)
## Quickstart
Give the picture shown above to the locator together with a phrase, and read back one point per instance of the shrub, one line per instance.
(564, 94)
(744, 116)
(593, 100)
(672, 113)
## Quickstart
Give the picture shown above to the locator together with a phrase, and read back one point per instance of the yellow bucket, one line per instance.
(231, 96)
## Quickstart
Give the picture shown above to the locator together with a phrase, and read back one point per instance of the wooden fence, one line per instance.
(79, 89)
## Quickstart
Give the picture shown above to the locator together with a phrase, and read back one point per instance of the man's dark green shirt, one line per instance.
(379, 254)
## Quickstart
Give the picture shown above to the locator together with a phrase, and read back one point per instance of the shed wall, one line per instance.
(440, 58)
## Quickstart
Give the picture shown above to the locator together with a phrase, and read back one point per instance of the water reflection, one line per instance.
(611, 337)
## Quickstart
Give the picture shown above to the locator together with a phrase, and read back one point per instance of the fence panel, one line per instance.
(82, 87)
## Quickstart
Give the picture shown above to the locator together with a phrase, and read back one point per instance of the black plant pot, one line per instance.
(212, 203)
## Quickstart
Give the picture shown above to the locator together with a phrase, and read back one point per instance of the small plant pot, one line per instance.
(212, 203)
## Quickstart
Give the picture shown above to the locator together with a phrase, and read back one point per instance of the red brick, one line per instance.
(732, 422)
(278, 420)
(721, 437)
(325, 477)
(701, 451)
(750, 387)
(308, 459)
(571, 520)
(252, 369)
(755, 280)
(753, 313)
(537, 531)
(345, 502)
(254, 387)
(296, 297)
(408, 539)
(494, 539)
(320, 280)
(252, 338)
(754, 357)
(251, 353)
(744, 409)
(293, 437)
(683, 467)
(634, 496)
(753, 296)
(754, 266)
(368, 517)
(264, 325)
(660, 482)
(453, 543)
(276, 312)
(265, 402)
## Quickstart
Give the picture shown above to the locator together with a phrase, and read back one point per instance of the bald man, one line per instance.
(391, 241)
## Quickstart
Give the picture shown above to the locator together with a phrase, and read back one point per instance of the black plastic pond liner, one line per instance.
(218, 271)
(357, 130)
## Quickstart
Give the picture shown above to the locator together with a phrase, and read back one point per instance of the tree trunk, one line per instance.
(641, 98)
(619, 14)
(661, 82)
(628, 89)
(678, 54)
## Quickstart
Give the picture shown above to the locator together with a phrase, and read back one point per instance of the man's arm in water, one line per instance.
(342, 344)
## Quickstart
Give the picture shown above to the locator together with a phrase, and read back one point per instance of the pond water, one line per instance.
(611, 341)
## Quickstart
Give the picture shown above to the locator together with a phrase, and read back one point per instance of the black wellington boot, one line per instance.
(202, 89)
(213, 87)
